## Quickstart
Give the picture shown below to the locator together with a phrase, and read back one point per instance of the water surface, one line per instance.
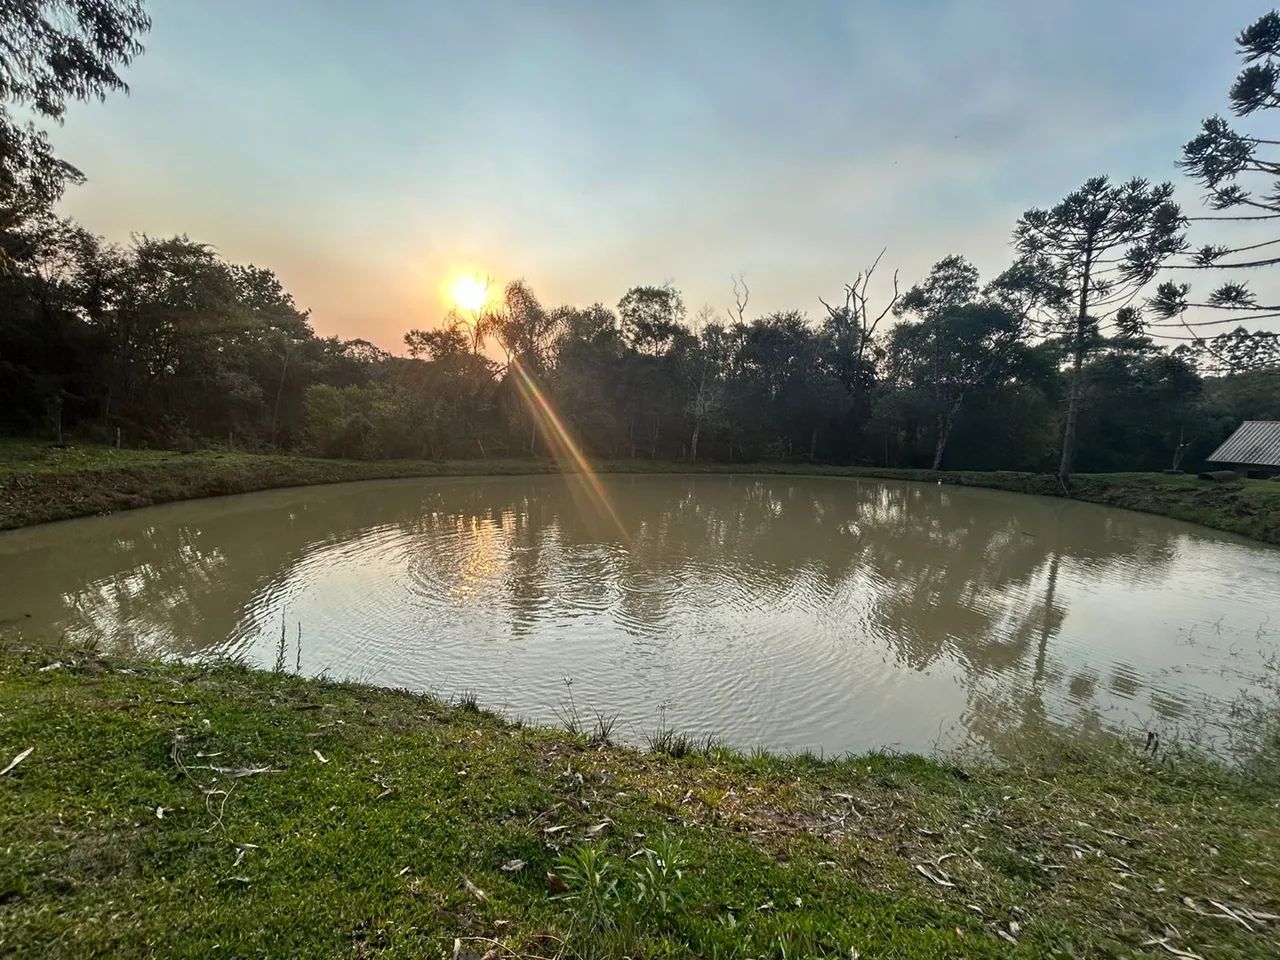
(790, 612)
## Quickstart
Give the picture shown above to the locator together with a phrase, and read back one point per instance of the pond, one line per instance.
(830, 614)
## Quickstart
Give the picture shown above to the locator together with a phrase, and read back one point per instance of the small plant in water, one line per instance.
(280, 647)
(602, 733)
(671, 742)
(567, 712)
(665, 740)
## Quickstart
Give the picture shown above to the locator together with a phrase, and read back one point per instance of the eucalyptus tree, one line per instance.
(440, 342)
(850, 328)
(1102, 244)
(651, 317)
(589, 353)
(852, 351)
(1241, 174)
(961, 341)
(652, 320)
(446, 390)
(785, 389)
(525, 330)
(703, 363)
(527, 333)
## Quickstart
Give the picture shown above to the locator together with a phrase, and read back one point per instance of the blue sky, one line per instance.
(369, 152)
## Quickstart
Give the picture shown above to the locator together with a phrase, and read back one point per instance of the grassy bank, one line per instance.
(40, 483)
(196, 811)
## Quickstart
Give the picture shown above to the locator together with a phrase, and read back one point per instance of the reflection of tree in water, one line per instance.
(975, 576)
(176, 579)
(1005, 718)
(969, 576)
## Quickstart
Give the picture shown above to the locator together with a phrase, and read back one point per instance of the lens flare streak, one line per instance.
(564, 448)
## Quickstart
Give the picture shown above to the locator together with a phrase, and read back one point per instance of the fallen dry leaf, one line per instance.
(930, 875)
(237, 772)
(555, 883)
(17, 760)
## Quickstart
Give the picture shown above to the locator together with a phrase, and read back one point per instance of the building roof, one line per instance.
(1255, 443)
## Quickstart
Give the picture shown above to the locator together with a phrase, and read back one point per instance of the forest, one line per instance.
(1117, 338)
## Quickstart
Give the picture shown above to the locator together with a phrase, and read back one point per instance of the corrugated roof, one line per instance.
(1255, 442)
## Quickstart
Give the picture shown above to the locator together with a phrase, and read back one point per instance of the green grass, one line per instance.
(407, 836)
(39, 482)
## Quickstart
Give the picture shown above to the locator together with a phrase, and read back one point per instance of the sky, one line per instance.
(370, 153)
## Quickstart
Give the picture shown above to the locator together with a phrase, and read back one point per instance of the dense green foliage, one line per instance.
(1049, 365)
(54, 51)
(204, 810)
(165, 344)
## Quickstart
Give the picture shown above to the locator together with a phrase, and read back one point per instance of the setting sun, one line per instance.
(469, 292)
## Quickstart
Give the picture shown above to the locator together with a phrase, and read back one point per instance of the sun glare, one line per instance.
(469, 292)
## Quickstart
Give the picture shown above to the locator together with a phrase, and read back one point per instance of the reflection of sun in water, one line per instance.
(469, 292)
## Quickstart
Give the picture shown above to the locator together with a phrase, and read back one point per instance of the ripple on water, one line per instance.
(796, 613)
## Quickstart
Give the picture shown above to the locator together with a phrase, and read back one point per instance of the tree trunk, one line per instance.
(1073, 413)
(939, 448)
(275, 409)
(1180, 449)
(813, 444)
(1077, 364)
(945, 426)
(693, 441)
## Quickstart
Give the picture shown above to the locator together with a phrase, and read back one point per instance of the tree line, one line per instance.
(1090, 351)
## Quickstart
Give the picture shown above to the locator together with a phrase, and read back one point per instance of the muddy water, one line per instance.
(821, 613)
